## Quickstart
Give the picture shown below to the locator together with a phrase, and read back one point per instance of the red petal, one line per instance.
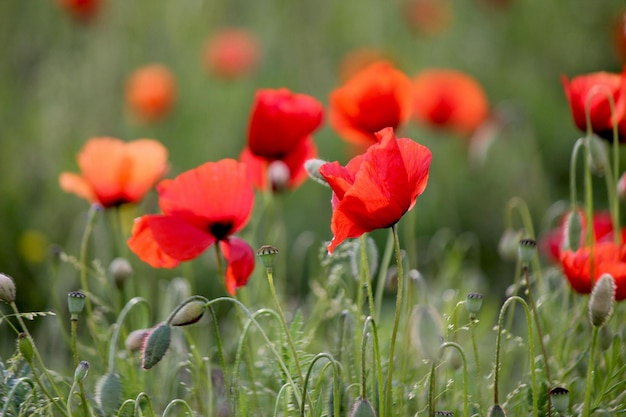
(178, 239)
(142, 243)
(73, 183)
(417, 159)
(240, 258)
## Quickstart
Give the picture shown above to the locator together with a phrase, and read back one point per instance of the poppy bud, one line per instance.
(188, 314)
(573, 231)
(136, 338)
(25, 346)
(267, 254)
(602, 300)
(7, 289)
(120, 270)
(597, 156)
(559, 397)
(109, 393)
(621, 186)
(473, 303)
(527, 249)
(278, 175)
(362, 408)
(509, 243)
(76, 302)
(496, 411)
(81, 371)
(155, 345)
(427, 331)
(312, 167)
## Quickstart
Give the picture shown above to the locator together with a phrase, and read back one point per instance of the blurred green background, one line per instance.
(62, 82)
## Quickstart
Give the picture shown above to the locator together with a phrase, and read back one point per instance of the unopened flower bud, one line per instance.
(135, 339)
(473, 302)
(598, 155)
(362, 408)
(496, 411)
(278, 175)
(7, 289)
(155, 345)
(76, 302)
(573, 231)
(559, 397)
(109, 393)
(509, 243)
(120, 270)
(527, 249)
(427, 331)
(621, 186)
(188, 314)
(312, 167)
(81, 371)
(25, 346)
(602, 300)
(267, 254)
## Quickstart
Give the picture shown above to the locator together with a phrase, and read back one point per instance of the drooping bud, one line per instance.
(155, 345)
(25, 346)
(427, 331)
(509, 243)
(362, 408)
(602, 300)
(7, 289)
(120, 270)
(473, 303)
(559, 397)
(312, 167)
(190, 313)
(278, 175)
(109, 393)
(597, 156)
(267, 254)
(135, 339)
(496, 411)
(573, 231)
(527, 250)
(76, 302)
(81, 371)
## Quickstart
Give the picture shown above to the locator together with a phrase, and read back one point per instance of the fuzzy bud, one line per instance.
(573, 231)
(509, 243)
(559, 397)
(81, 371)
(25, 346)
(135, 339)
(312, 167)
(121, 271)
(362, 408)
(602, 300)
(109, 393)
(155, 345)
(188, 314)
(7, 289)
(278, 175)
(76, 302)
(496, 411)
(527, 249)
(267, 254)
(473, 303)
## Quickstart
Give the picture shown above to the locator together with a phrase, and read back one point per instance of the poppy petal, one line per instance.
(343, 227)
(257, 168)
(149, 163)
(417, 159)
(240, 258)
(143, 244)
(101, 161)
(177, 238)
(73, 183)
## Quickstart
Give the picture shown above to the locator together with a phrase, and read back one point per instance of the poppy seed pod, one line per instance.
(7, 289)
(527, 249)
(155, 345)
(267, 254)
(76, 302)
(559, 397)
(473, 302)
(602, 300)
(190, 313)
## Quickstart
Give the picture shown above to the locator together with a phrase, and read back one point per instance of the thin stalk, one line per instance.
(382, 275)
(364, 272)
(592, 352)
(336, 378)
(171, 404)
(91, 220)
(465, 384)
(479, 393)
(376, 354)
(431, 391)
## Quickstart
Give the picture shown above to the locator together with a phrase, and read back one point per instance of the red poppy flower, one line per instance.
(231, 53)
(116, 172)
(151, 92)
(375, 189)
(608, 258)
(281, 124)
(593, 91)
(377, 97)
(81, 9)
(201, 206)
(449, 99)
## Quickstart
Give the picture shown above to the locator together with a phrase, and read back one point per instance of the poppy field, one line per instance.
(312, 208)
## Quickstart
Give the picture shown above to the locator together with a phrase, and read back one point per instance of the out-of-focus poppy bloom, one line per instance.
(428, 17)
(280, 129)
(151, 92)
(231, 53)
(592, 91)
(375, 189)
(82, 10)
(583, 267)
(376, 97)
(449, 99)
(202, 206)
(116, 172)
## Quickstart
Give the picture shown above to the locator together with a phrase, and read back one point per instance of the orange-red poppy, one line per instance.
(375, 189)
(114, 172)
(202, 206)
(376, 97)
(151, 92)
(584, 267)
(280, 129)
(449, 99)
(232, 53)
(81, 9)
(594, 92)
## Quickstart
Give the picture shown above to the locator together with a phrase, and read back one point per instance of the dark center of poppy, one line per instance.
(221, 230)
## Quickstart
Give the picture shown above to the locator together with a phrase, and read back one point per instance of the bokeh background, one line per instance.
(62, 81)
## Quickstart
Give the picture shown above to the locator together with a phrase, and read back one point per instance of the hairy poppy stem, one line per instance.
(589, 383)
(465, 384)
(91, 220)
(396, 320)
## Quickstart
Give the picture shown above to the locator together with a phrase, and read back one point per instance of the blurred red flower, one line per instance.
(592, 91)
(201, 206)
(151, 92)
(280, 129)
(82, 10)
(449, 99)
(375, 189)
(376, 97)
(115, 172)
(231, 53)
(606, 258)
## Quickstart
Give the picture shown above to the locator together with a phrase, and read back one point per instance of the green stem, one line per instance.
(336, 378)
(465, 384)
(118, 325)
(396, 320)
(589, 383)
(73, 325)
(431, 391)
(365, 274)
(382, 275)
(91, 220)
(479, 378)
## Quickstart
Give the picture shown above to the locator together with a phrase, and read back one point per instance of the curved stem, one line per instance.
(464, 362)
(188, 410)
(336, 375)
(118, 324)
(84, 243)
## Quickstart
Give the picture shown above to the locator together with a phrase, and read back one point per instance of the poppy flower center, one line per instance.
(221, 230)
